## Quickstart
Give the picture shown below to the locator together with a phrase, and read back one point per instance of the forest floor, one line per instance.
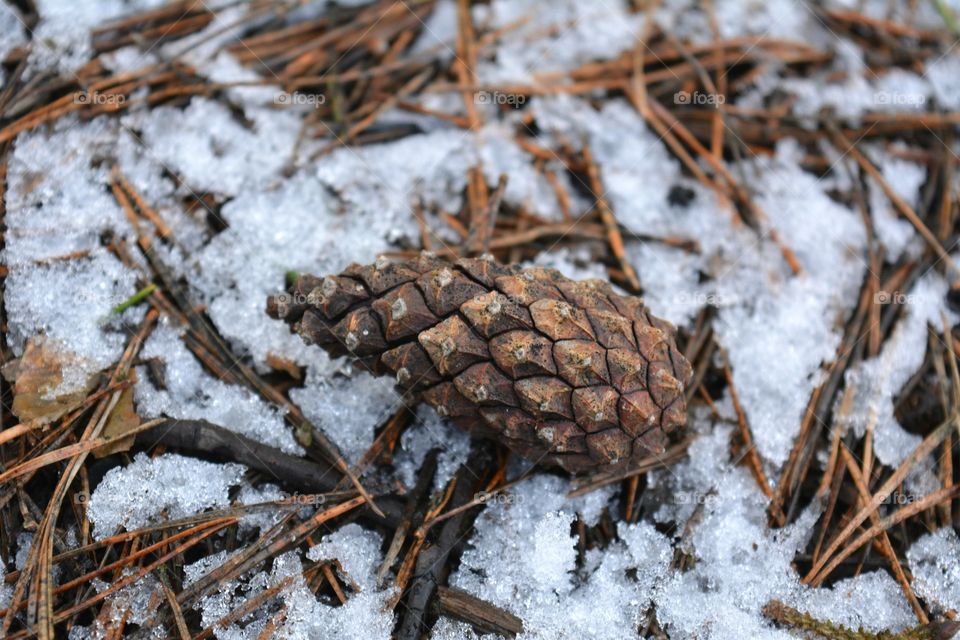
(777, 179)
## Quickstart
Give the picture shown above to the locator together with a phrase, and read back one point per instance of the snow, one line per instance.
(227, 25)
(523, 558)
(847, 88)
(274, 225)
(936, 575)
(439, 30)
(61, 40)
(191, 393)
(55, 172)
(304, 616)
(776, 372)
(12, 33)
(556, 37)
(91, 287)
(149, 490)
(893, 232)
(265, 493)
(213, 151)
(133, 604)
(741, 564)
(365, 614)
(943, 73)
(857, 91)
(877, 381)
(921, 15)
(430, 431)
(348, 406)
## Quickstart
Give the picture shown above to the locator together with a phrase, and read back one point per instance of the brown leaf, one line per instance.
(37, 394)
(123, 419)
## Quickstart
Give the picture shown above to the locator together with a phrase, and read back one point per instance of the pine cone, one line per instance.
(565, 373)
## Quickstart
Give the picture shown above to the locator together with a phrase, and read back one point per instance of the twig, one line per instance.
(481, 615)
(795, 619)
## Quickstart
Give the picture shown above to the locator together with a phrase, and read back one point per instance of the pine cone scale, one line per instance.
(566, 373)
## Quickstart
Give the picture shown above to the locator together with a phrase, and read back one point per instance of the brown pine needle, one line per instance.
(821, 568)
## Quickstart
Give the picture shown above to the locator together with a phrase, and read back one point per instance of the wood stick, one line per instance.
(480, 614)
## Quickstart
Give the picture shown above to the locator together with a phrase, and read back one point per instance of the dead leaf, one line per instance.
(123, 419)
(38, 396)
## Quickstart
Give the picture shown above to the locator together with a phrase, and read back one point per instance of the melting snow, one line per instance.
(149, 490)
(285, 211)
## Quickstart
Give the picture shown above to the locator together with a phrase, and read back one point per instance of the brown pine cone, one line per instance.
(565, 373)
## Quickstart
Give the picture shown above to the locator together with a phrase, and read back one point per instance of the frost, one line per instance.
(150, 490)
(284, 208)
(936, 574)
(877, 381)
(262, 521)
(347, 407)
(62, 39)
(365, 615)
(906, 178)
(523, 558)
(741, 564)
(190, 393)
(944, 74)
(430, 431)
(212, 150)
(134, 604)
(555, 37)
